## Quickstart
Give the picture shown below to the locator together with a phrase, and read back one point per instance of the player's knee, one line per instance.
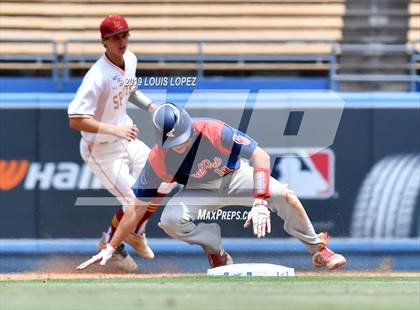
(280, 195)
(293, 201)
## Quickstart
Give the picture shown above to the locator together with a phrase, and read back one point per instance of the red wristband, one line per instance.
(261, 183)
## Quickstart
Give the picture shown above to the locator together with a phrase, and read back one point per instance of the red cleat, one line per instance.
(222, 259)
(327, 258)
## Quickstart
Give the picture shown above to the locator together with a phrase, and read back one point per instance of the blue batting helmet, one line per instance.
(173, 125)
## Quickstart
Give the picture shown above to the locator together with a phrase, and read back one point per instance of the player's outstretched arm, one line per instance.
(131, 217)
(259, 215)
(89, 124)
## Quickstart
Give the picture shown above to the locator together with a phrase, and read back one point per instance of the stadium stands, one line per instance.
(228, 37)
(377, 46)
(194, 20)
(414, 22)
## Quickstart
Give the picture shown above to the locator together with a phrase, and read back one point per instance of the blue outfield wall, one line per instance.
(375, 129)
(368, 132)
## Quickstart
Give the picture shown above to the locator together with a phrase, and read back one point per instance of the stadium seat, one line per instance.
(181, 19)
(414, 23)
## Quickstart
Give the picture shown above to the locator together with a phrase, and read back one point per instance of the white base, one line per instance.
(252, 270)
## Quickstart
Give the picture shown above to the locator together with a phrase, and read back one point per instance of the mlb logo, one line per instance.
(311, 175)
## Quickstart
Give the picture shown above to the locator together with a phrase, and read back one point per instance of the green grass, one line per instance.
(201, 292)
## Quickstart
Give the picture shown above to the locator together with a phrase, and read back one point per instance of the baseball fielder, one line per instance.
(208, 157)
(109, 145)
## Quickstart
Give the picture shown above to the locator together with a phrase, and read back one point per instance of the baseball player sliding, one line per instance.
(109, 145)
(208, 157)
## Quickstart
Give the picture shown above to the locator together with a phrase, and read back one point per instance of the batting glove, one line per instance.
(102, 257)
(260, 218)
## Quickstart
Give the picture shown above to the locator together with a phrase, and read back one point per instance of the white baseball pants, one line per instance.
(117, 164)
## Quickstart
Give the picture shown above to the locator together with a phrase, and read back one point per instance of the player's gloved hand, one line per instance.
(102, 257)
(260, 218)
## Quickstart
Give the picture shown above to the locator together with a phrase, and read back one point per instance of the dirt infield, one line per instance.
(61, 267)
(94, 275)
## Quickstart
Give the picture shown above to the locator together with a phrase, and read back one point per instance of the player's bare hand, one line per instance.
(127, 132)
(102, 257)
(259, 216)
